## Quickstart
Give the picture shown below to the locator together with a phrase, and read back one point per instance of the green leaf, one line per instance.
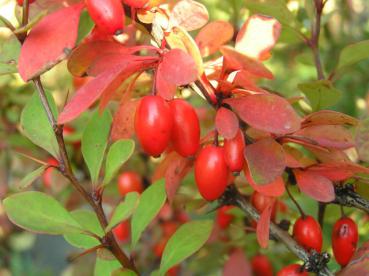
(9, 52)
(353, 53)
(30, 178)
(38, 212)
(124, 210)
(85, 26)
(88, 220)
(123, 272)
(188, 239)
(321, 94)
(105, 267)
(36, 126)
(118, 154)
(152, 200)
(94, 142)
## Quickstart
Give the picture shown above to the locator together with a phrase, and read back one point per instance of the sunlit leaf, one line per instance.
(152, 199)
(123, 122)
(328, 117)
(56, 42)
(105, 267)
(362, 140)
(338, 171)
(189, 14)
(94, 142)
(188, 239)
(38, 212)
(353, 53)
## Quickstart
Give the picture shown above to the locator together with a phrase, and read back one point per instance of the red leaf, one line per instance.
(174, 173)
(266, 112)
(49, 42)
(328, 117)
(244, 79)
(237, 264)
(89, 93)
(85, 54)
(123, 122)
(258, 36)
(212, 36)
(315, 185)
(226, 123)
(262, 228)
(164, 89)
(234, 60)
(330, 136)
(265, 160)
(190, 15)
(178, 67)
(274, 189)
(338, 171)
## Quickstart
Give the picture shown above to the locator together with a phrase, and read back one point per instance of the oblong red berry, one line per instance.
(233, 150)
(308, 234)
(211, 172)
(129, 182)
(108, 15)
(186, 128)
(292, 270)
(261, 266)
(344, 240)
(138, 4)
(153, 124)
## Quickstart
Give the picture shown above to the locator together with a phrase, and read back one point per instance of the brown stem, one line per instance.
(321, 212)
(66, 170)
(295, 202)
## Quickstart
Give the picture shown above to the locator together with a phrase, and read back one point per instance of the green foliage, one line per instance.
(9, 52)
(124, 210)
(353, 53)
(118, 154)
(105, 267)
(85, 26)
(36, 126)
(188, 239)
(321, 94)
(94, 142)
(152, 200)
(123, 272)
(30, 178)
(88, 220)
(38, 212)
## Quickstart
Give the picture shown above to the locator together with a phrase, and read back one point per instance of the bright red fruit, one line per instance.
(169, 228)
(261, 266)
(129, 182)
(223, 218)
(122, 231)
(20, 2)
(260, 202)
(211, 172)
(138, 4)
(292, 270)
(308, 234)
(153, 124)
(344, 240)
(233, 151)
(107, 14)
(186, 128)
(47, 175)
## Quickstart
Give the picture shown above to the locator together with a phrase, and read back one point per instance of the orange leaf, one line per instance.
(266, 112)
(123, 122)
(328, 117)
(315, 185)
(49, 42)
(164, 89)
(190, 15)
(258, 36)
(338, 171)
(214, 35)
(262, 228)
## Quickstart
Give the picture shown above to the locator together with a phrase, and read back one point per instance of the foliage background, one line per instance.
(344, 22)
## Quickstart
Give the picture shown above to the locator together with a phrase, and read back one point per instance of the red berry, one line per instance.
(138, 4)
(153, 124)
(159, 247)
(292, 270)
(223, 218)
(260, 202)
(174, 271)
(129, 182)
(47, 175)
(308, 234)
(169, 228)
(107, 14)
(211, 172)
(233, 150)
(261, 266)
(20, 2)
(186, 128)
(344, 240)
(122, 231)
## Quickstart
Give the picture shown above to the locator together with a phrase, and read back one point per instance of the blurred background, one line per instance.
(23, 253)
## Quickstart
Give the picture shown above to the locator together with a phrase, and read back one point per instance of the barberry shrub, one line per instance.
(175, 150)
